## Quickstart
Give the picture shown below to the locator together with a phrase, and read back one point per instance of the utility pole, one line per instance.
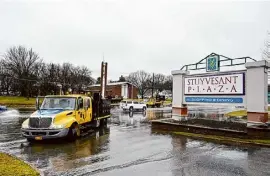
(131, 91)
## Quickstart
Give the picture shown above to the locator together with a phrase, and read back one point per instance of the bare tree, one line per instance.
(82, 78)
(168, 83)
(159, 80)
(266, 51)
(122, 79)
(22, 70)
(140, 79)
(5, 79)
(21, 62)
(98, 80)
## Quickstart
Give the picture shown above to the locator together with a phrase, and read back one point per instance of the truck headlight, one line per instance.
(25, 124)
(58, 126)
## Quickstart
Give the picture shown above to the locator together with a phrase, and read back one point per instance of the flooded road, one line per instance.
(128, 146)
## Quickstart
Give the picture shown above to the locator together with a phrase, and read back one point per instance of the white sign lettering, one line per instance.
(230, 84)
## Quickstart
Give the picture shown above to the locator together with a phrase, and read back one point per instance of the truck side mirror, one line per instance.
(80, 103)
(37, 103)
(88, 104)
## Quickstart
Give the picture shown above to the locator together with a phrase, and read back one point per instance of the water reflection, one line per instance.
(136, 118)
(198, 157)
(62, 156)
(212, 112)
(132, 113)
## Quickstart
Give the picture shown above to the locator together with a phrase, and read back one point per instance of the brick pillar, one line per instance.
(257, 92)
(179, 110)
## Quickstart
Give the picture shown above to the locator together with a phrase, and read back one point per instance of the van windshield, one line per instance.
(58, 103)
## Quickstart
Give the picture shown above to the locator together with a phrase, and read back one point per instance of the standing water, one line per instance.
(128, 146)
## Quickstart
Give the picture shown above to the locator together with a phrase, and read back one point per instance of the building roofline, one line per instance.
(66, 96)
(112, 84)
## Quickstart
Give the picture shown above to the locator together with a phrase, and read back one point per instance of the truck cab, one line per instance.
(61, 116)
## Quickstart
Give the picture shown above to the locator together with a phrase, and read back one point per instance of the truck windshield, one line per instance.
(58, 103)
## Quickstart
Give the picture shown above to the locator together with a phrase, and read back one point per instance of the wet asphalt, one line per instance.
(128, 146)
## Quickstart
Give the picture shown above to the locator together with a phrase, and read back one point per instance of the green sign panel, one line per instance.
(212, 63)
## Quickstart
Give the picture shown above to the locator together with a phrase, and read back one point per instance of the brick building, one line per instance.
(117, 90)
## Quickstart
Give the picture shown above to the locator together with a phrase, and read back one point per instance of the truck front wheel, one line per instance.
(74, 131)
(30, 140)
(144, 108)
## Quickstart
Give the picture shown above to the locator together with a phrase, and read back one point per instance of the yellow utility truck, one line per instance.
(66, 116)
(61, 116)
(156, 102)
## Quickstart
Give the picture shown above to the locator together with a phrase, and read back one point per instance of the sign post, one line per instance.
(257, 92)
(179, 109)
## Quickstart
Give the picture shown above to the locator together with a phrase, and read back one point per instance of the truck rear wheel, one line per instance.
(104, 122)
(96, 123)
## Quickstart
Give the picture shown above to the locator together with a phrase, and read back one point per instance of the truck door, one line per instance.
(88, 109)
(80, 114)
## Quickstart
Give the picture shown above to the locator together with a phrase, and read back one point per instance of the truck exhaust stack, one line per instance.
(103, 79)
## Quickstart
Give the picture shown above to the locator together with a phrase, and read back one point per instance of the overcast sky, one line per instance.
(153, 35)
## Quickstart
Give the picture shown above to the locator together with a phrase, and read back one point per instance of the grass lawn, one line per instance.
(237, 113)
(10, 165)
(16, 101)
(242, 113)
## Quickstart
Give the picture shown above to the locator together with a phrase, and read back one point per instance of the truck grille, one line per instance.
(43, 122)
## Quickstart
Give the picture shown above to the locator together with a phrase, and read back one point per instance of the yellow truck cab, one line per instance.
(156, 102)
(61, 116)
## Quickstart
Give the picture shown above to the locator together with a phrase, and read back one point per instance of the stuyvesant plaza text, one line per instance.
(215, 84)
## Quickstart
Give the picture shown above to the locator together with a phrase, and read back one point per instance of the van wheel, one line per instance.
(131, 109)
(144, 108)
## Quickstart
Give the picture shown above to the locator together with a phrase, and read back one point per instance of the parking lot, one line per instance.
(128, 146)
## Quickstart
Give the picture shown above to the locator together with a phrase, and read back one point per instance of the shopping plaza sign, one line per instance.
(225, 84)
(222, 88)
(214, 86)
